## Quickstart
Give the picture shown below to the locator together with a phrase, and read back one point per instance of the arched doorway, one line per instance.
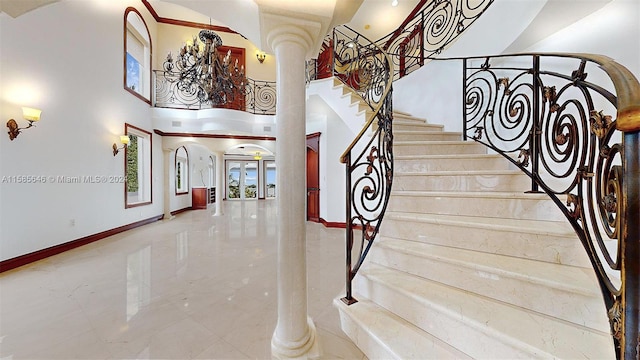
(313, 177)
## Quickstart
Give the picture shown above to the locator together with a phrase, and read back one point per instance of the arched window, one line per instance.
(137, 55)
(182, 171)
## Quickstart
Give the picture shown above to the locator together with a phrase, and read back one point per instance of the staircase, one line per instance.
(467, 265)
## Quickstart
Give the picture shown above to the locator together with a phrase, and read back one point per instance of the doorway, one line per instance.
(242, 180)
(313, 177)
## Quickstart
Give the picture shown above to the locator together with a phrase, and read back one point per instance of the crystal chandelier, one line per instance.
(201, 73)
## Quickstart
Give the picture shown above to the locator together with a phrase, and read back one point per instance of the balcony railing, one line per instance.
(257, 96)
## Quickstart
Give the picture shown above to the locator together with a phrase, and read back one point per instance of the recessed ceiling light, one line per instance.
(394, 3)
(367, 27)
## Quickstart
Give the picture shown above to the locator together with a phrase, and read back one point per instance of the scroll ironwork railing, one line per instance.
(257, 97)
(368, 69)
(431, 27)
(368, 160)
(571, 122)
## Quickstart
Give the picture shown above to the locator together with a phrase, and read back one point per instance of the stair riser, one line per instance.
(552, 301)
(434, 148)
(542, 247)
(498, 182)
(367, 344)
(505, 208)
(449, 164)
(408, 126)
(450, 329)
(380, 340)
(426, 137)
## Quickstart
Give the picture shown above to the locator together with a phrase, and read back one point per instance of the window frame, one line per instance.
(131, 130)
(146, 77)
(184, 161)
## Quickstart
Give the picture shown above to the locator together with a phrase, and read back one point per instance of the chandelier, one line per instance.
(201, 73)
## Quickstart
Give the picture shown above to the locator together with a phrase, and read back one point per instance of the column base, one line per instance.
(306, 348)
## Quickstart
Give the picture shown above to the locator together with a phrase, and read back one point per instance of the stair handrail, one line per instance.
(546, 118)
(366, 69)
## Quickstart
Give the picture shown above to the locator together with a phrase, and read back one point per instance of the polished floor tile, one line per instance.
(195, 287)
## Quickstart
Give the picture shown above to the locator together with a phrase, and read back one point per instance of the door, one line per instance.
(242, 180)
(270, 176)
(313, 177)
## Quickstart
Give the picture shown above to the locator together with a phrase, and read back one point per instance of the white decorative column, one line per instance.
(220, 190)
(167, 185)
(295, 333)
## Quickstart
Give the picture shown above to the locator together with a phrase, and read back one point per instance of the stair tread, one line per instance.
(541, 335)
(575, 279)
(427, 132)
(415, 122)
(473, 194)
(385, 326)
(540, 227)
(460, 172)
(446, 156)
(436, 142)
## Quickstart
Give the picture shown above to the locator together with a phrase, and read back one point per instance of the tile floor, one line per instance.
(194, 287)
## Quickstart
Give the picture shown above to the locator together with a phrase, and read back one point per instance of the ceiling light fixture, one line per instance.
(394, 3)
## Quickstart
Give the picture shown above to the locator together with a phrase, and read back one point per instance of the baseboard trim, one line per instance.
(22, 260)
(330, 224)
(175, 212)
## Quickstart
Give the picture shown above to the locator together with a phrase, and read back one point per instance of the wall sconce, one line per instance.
(257, 156)
(260, 55)
(29, 114)
(124, 139)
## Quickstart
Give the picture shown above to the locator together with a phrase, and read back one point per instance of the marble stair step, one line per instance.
(467, 180)
(413, 125)
(405, 117)
(478, 326)
(382, 335)
(553, 242)
(404, 135)
(437, 147)
(507, 205)
(566, 292)
(450, 162)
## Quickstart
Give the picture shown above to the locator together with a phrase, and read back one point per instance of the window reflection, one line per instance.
(182, 250)
(138, 281)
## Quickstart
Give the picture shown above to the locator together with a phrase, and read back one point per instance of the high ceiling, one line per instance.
(373, 19)
(15, 8)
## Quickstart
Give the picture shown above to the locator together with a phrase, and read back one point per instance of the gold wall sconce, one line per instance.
(260, 55)
(257, 156)
(124, 140)
(30, 114)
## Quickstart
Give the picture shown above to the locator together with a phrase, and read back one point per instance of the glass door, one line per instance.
(242, 180)
(270, 176)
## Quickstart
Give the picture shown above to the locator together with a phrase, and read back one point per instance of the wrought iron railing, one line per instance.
(257, 97)
(572, 124)
(368, 160)
(368, 69)
(429, 29)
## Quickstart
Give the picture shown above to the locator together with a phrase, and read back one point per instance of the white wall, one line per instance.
(334, 139)
(67, 59)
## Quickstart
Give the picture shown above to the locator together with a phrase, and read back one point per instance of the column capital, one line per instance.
(278, 28)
